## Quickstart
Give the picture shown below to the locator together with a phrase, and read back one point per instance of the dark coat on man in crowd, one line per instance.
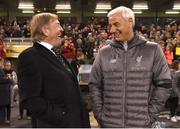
(4, 89)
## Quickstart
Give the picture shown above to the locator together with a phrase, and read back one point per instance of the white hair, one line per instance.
(124, 11)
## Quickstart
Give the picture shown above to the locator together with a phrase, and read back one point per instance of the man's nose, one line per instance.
(112, 29)
(60, 28)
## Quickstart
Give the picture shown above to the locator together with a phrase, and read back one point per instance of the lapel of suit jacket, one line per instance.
(47, 54)
(72, 70)
(52, 58)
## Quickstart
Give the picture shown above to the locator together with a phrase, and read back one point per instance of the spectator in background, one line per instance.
(5, 83)
(80, 43)
(177, 42)
(17, 31)
(13, 83)
(2, 80)
(172, 102)
(90, 44)
(27, 32)
(169, 54)
(2, 47)
(10, 72)
(162, 45)
(68, 50)
(128, 85)
(176, 89)
(70, 21)
(78, 60)
(95, 51)
(81, 57)
(21, 112)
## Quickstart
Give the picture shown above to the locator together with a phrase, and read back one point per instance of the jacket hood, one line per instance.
(137, 40)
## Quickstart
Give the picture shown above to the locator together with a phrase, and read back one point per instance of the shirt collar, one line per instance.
(46, 45)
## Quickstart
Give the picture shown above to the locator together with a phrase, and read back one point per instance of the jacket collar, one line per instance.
(52, 58)
(136, 40)
(47, 53)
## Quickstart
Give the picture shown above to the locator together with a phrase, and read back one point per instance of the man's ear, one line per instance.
(130, 20)
(45, 30)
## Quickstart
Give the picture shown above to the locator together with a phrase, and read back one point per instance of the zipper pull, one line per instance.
(125, 45)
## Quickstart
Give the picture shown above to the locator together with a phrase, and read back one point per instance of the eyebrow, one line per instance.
(116, 23)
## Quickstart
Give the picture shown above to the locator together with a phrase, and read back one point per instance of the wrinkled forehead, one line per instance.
(54, 20)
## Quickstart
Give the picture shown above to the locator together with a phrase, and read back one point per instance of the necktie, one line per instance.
(60, 58)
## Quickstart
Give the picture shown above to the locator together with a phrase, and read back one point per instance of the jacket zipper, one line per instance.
(124, 81)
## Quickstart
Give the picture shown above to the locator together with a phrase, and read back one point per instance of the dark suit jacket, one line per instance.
(49, 91)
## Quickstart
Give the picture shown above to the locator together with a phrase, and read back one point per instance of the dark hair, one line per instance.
(175, 64)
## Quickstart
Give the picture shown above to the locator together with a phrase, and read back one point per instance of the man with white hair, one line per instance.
(130, 79)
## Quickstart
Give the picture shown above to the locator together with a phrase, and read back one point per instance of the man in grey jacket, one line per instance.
(130, 79)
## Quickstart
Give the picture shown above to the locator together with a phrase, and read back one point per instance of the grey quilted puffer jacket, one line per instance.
(129, 87)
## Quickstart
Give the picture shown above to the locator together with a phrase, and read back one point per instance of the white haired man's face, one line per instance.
(120, 27)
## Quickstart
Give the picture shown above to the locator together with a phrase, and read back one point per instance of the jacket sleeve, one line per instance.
(96, 86)
(162, 84)
(30, 83)
(176, 84)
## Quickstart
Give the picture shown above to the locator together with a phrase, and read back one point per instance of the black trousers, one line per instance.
(8, 111)
(2, 114)
(173, 104)
(21, 110)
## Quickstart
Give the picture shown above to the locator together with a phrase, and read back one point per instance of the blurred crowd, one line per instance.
(81, 41)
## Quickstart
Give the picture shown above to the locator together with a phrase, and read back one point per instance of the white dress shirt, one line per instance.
(47, 45)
